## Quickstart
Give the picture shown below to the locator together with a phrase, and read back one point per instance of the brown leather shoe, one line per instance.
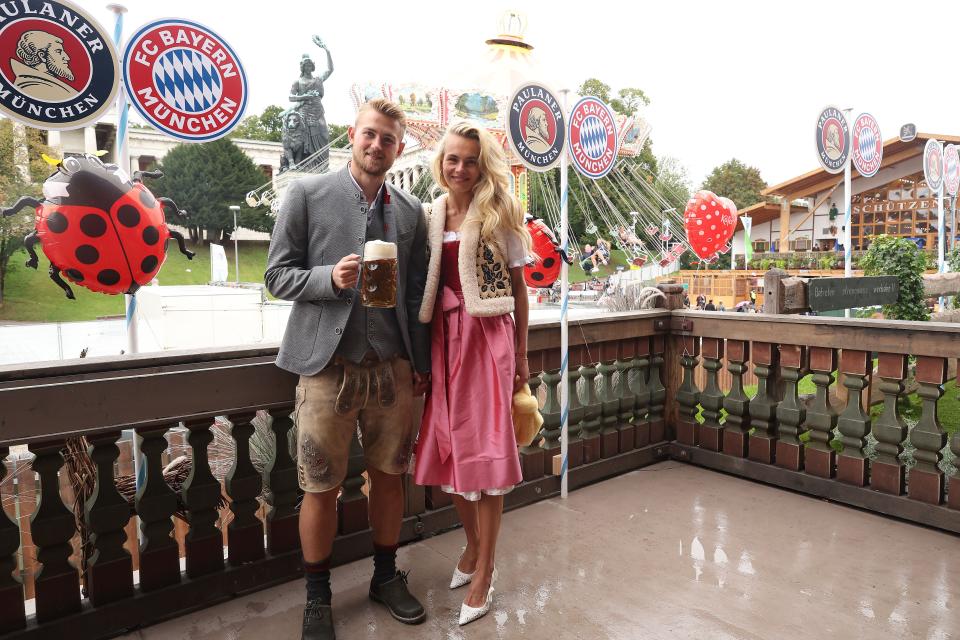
(397, 598)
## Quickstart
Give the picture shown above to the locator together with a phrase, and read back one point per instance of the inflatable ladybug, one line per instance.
(547, 255)
(98, 227)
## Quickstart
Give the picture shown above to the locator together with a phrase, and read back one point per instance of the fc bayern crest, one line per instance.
(867, 145)
(833, 140)
(933, 165)
(951, 169)
(593, 137)
(185, 80)
(535, 126)
(58, 67)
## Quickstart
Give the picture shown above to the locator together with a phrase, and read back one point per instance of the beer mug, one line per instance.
(379, 275)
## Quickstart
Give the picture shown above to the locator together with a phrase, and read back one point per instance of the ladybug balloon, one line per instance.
(546, 266)
(98, 227)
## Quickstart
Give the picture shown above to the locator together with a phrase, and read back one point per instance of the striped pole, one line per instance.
(848, 219)
(565, 296)
(941, 236)
(122, 160)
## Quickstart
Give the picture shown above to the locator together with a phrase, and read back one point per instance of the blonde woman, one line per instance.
(478, 246)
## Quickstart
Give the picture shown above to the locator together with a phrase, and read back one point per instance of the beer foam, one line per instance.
(379, 250)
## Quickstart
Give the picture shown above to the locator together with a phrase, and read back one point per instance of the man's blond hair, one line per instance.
(386, 108)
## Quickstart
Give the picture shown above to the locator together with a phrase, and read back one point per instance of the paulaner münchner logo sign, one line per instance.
(58, 67)
(185, 80)
(833, 140)
(535, 126)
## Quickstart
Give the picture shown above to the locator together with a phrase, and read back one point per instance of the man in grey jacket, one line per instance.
(357, 364)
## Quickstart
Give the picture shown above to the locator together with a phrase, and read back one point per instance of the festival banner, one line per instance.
(951, 169)
(536, 131)
(833, 140)
(933, 164)
(185, 80)
(58, 67)
(867, 145)
(592, 131)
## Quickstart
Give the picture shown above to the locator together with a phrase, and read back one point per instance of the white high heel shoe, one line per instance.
(468, 614)
(460, 578)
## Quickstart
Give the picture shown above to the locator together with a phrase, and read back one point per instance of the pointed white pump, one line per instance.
(468, 614)
(460, 578)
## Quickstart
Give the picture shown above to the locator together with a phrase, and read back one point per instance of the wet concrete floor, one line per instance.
(670, 551)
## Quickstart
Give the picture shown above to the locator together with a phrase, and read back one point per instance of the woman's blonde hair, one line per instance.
(496, 205)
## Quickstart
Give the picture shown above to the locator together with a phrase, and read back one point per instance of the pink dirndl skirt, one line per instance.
(467, 443)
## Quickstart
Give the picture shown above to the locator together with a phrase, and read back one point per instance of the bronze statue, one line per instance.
(304, 125)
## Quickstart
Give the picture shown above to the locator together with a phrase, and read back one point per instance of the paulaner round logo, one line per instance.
(593, 137)
(867, 145)
(933, 164)
(58, 67)
(833, 140)
(185, 79)
(535, 126)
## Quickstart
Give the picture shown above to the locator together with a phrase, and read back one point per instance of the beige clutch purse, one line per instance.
(526, 417)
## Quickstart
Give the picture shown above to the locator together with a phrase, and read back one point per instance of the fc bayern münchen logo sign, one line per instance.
(933, 165)
(951, 169)
(535, 126)
(833, 140)
(592, 130)
(58, 67)
(185, 80)
(867, 145)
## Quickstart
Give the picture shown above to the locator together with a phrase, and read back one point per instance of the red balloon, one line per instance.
(709, 224)
(99, 228)
(546, 267)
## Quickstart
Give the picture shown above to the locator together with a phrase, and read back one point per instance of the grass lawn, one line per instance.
(30, 296)
(617, 258)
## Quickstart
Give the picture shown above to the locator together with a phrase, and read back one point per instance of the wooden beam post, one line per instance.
(784, 243)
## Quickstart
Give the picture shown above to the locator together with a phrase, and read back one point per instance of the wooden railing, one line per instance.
(617, 423)
(646, 386)
(808, 444)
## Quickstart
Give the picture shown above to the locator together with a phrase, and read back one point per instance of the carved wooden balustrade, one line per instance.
(720, 390)
(617, 424)
(846, 441)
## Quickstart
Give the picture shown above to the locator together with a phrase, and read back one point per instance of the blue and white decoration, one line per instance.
(187, 80)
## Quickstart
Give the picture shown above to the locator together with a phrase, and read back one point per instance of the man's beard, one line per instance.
(61, 72)
(374, 166)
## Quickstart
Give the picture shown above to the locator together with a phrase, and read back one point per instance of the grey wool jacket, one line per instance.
(323, 219)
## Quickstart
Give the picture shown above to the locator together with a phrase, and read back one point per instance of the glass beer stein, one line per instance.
(378, 281)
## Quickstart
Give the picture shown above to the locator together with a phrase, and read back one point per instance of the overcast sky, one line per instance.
(725, 79)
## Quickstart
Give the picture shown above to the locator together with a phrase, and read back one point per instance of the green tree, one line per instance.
(13, 187)
(900, 257)
(628, 100)
(205, 179)
(736, 181)
(338, 136)
(267, 126)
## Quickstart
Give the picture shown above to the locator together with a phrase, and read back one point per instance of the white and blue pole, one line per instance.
(122, 160)
(564, 334)
(848, 215)
(941, 236)
(121, 154)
